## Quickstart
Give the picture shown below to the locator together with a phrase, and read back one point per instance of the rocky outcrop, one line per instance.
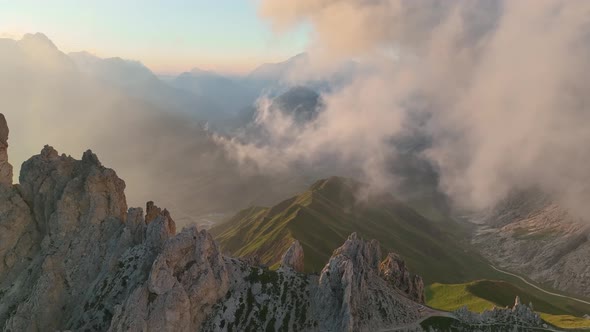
(353, 297)
(293, 257)
(186, 279)
(5, 167)
(71, 230)
(349, 295)
(393, 269)
(520, 315)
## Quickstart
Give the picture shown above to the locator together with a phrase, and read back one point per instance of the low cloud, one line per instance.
(502, 85)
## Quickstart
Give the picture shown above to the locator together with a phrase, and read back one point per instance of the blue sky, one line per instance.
(168, 36)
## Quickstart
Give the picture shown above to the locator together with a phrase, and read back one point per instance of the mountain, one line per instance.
(300, 102)
(321, 218)
(34, 48)
(531, 234)
(229, 94)
(276, 72)
(138, 81)
(105, 102)
(74, 257)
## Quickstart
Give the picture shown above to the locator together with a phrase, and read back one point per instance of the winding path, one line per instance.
(539, 288)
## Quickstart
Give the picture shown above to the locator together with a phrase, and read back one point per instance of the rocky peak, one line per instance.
(160, 226)
(48, 153)
(90, 157)
(353, 291)
(5, 167)
(293, 257)
(151, 212)
(65, 194)
(394, 270)
(365, 254)
(39, 40)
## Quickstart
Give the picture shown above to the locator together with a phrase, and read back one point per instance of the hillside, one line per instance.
(532, 234)
(323, 216)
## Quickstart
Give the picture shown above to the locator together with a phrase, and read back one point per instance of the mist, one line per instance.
(156, 141)
(500, 87)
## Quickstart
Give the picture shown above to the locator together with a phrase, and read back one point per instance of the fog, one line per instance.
(502, 87)
(157, 142)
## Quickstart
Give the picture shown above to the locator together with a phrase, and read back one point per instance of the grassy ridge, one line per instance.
(325, 215)
(322, 217)
(485, 294)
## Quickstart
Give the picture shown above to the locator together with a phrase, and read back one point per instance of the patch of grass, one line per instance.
(503, 293)
(485, 294)
(439, 324)
(527, 234)
(567, 321)
(452, 297)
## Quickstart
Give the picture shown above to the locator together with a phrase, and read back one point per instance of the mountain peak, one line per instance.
(293, 257)
(38, 39)
(277, 70)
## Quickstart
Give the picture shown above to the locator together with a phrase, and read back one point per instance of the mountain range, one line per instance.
(323, 216)
(73, 257)
(104, 102)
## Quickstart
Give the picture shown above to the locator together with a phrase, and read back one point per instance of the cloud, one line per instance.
(503, 83)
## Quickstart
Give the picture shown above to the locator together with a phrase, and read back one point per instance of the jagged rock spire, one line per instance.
(5, 167)
(293, 257)
(394, 270)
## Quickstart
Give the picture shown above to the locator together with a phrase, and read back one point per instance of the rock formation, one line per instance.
(353, 297)
(348, 295)
(519, 315)
(5, 167)
(293, 257)
(394, 270)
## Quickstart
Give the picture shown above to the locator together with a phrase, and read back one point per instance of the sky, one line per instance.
(169, 36)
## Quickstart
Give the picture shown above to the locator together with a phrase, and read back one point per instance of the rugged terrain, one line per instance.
(74, 257)
(532, 235)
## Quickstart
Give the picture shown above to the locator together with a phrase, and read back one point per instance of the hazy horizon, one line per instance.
(222, 36)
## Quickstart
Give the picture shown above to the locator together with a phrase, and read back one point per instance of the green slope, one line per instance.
(485, 294)
(322, 218)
